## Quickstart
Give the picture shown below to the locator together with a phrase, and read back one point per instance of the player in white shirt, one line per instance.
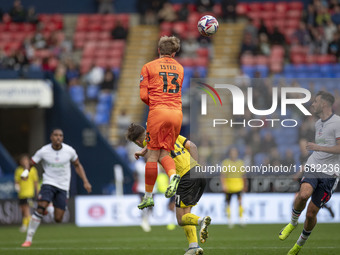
(55, 158)
(321, 174)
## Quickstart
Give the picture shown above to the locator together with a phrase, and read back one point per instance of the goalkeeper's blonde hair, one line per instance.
(168, 45)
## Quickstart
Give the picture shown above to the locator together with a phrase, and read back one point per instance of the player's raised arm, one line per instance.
(143, 86)
(81, 172)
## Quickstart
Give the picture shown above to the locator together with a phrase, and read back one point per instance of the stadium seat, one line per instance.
(295, 5)
(255, 7)
(281, 7)
(77, 94)
(261, 60)
(249, 70)
(248, 60)
(92, 91)
(268, 6)
(263, 70)
(242, 9)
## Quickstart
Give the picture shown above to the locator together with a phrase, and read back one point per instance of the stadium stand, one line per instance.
(283, 42)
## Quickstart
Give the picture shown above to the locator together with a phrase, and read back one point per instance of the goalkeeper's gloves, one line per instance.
(25, 174)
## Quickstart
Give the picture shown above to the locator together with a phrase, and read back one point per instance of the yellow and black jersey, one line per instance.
(27, 187)
(233, 178)
(183, 160)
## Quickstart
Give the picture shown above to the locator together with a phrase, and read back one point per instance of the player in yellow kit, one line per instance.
(189, 190)
(26, 189)
(233, 182)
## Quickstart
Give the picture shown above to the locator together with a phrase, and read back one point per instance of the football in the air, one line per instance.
(207, 25)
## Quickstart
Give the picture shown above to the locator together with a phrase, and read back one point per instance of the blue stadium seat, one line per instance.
(105, 98)
(77, 94)
(202, 71)
(249, 70)
(102, 118)
(92, 91)
(263, 70)
(312, 68)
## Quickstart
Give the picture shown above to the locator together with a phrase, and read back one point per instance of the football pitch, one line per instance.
(252, 239)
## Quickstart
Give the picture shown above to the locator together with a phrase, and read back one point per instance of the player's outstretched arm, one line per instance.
(81, 172)
(333, 149)
(192, 148)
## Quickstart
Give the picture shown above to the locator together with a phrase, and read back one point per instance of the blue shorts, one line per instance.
(53, 194)
(323, 185)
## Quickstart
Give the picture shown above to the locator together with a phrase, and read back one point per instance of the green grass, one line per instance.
(252, 240)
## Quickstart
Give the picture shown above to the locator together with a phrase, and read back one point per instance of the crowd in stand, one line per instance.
(318, 30)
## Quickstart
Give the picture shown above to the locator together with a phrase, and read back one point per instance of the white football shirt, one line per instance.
(327, 132)
(56, 164)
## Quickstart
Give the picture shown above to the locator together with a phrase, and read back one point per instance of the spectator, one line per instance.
(334, 45)
(302, 35)
(205, 5)
(183, 12)
(72, 70)
(38, 40)
(60, 75)
(268, 143)
(31, 16)
(336, 15)
(263, 28)
(229, 9)
(277, 37)
(310, 16)
(289, 158)
(119, 32)
(108, 85)
(123, 122)
(329, 31)
(190, 47)
(248, 45)
(264, 46)
(95, 76)
(251, 29)
(322, 16)
(17, 13)
(167, 13)
(319, 45)
(105, 6)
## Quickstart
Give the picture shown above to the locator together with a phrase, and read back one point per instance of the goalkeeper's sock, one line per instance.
(295, 217)
(191, 219)
(33, 225)
(191, 235)
(150, 176)
(169, 166)
(303, 237)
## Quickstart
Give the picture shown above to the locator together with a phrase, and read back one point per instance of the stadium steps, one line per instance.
(226, 43)
(70, 22)
(141, 48)
(224, 66)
